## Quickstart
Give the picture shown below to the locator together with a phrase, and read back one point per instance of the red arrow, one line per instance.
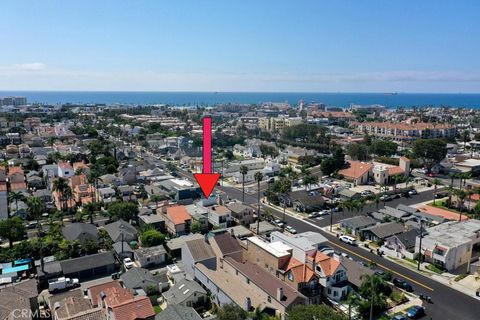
(207, 180)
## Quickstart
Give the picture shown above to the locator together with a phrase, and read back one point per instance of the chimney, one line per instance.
(280, 294)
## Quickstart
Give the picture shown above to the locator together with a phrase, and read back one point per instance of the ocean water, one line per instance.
(211, 98)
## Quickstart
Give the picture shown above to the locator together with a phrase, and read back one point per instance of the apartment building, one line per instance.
(278, 124)
(452, 244)
(405, 132)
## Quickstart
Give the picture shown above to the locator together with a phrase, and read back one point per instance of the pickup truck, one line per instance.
(62, 283)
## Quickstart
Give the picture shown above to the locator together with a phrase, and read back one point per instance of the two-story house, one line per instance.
(178, 220)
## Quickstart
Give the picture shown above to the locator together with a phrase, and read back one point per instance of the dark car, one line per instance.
(416, 312)
(402, 284)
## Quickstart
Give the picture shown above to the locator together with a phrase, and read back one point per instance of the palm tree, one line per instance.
(377, 200)
(397, 179)
(15, 196)
(93, 178)
(285, 188)
(61, 186)
(461, 195)
(436, 182)
(451, 191)
(309, 179)
(89, 208)
(35, 208)
(243, 172)
(258, 177)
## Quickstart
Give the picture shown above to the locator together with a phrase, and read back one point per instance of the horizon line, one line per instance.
(240, 91)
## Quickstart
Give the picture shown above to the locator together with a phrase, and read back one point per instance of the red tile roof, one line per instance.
(328, 264)
(356, 169)
(138, 308)
(301, 272)
(178, 214)
(13, 170)
(96, 289)
(395, 170)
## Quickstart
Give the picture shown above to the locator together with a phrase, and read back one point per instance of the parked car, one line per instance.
(415, 312)
(441, 195)
(402, 284)
(271, 180)
(348, 240)
(412, 192)
(127, 263)
(278, 223)
(290, 229)
(385, 197)
(314, 214)
(399, 317)
(366, 193)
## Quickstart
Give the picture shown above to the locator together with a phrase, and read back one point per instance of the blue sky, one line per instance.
(350, 46)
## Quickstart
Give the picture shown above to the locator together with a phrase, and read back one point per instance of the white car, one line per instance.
(348, 240)
(290, 229)
(412, 192)
(127, 263)
(324, 212)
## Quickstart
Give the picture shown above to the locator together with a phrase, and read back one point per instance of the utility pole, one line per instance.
(331, 219)
(420, 245)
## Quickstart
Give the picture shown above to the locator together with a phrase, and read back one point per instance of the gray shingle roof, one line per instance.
(385, 230)
(182, 290)
(358, 222)
(80, 231)
(177, 312)
(137, 278)
(87, 262)
(115, 231)
(200, 250)
(397, 214)
(151, 251)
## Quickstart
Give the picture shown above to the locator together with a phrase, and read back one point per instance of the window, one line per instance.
(335, 293)
(236, 272)
(248, 281)
(269, 299)
(290, 276)
(329, 291)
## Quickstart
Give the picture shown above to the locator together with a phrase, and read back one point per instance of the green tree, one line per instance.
(429, 151)
(152, 237)
(231, 312)
(375, 290)
(357, 151)
(328, 166)
(314, 312)
(243, 172)
(196, 227)
(12, 229)
(461, 195)
(15, 196)
(308, 180)
(123, 210)
(61, 186)
(383, 148)
(436, 182)
(35, 208)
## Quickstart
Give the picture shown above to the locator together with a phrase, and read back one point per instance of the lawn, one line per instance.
(435, 269)
(157, 309)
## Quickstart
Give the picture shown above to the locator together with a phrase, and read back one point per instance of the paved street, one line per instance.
(448, 303)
